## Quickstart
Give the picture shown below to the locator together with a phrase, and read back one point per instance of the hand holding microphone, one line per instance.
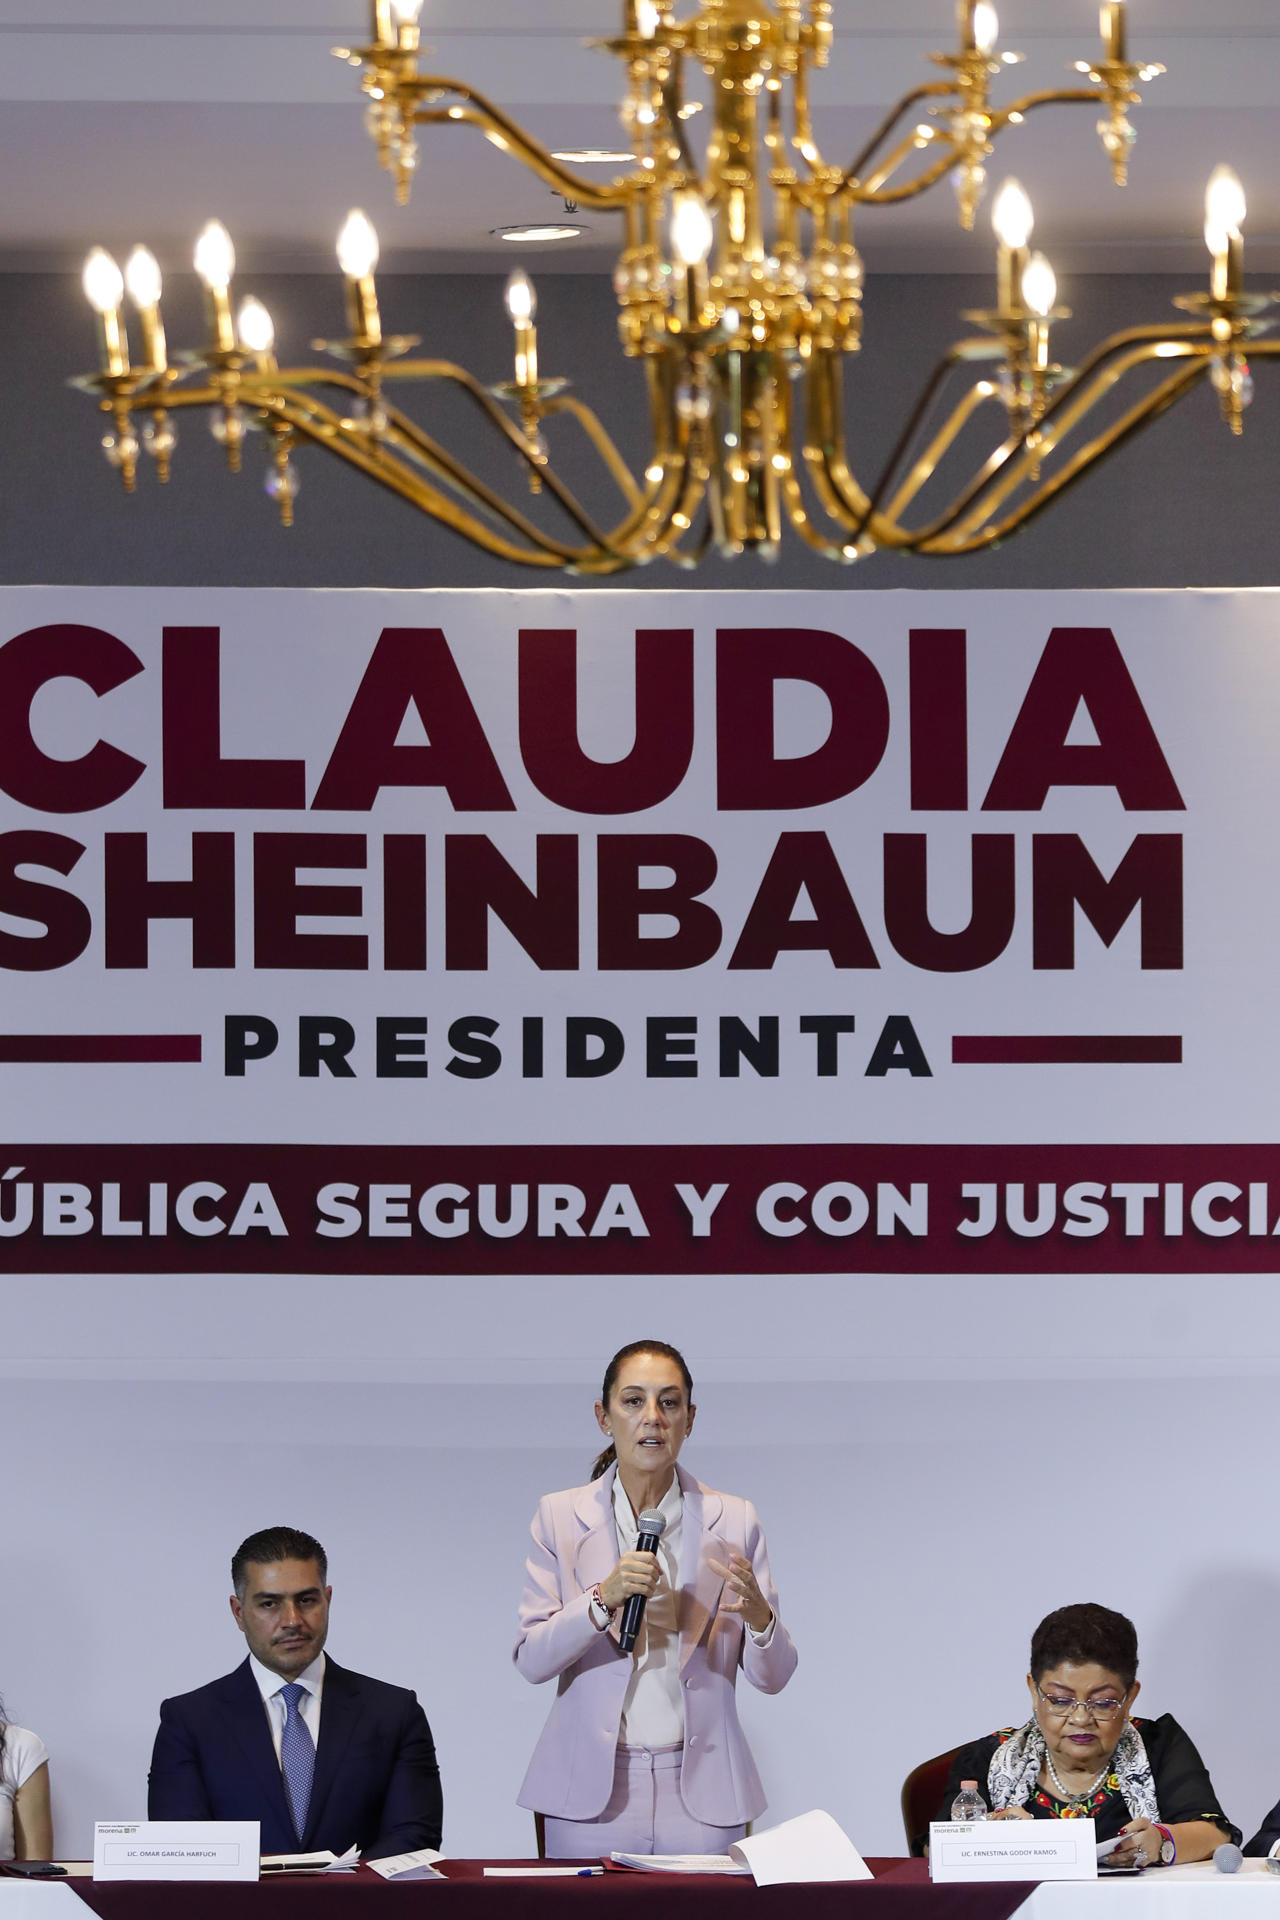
(635, 1577)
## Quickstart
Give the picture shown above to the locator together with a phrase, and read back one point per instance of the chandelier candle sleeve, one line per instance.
(382, 30)
(522, 305)
(215, 262)
(1224, 211)
(1013, 223)
(256, 332)
(1113, 30)
(405, 13)
(142, 278)
(984, 28)
(358, 256)
(104, 290)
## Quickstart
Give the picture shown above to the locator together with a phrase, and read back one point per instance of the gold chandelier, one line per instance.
(739, 289)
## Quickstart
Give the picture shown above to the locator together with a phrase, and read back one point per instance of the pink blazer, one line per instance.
(575, 1546)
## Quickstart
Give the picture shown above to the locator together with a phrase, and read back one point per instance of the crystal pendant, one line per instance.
(227, 425)
(970, 182)
(121, 449)
(692, 403)
(159, 439)
(1233, 379)
(282, 483)
(1117, 136)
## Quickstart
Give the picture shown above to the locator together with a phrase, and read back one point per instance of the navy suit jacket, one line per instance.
(376, 1782)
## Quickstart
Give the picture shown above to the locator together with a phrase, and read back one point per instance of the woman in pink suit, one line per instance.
(642, 1751)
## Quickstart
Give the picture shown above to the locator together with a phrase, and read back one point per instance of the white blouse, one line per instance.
(23, 1753)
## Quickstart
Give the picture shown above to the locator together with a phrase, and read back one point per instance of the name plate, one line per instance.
(175, 1849)
(1012, 1850)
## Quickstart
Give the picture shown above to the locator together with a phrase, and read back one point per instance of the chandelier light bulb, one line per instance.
(357, 246)
(1039, 287)
(102, 281)
(690, 228)
(142, 278)
(1011, 215)
(1224, 208)
(647, 18)
(406, 11)
(986, 26)
(254, 327)
(522, 301)
(215, 257)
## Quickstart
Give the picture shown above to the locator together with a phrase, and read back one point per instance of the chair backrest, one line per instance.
(921, 1792)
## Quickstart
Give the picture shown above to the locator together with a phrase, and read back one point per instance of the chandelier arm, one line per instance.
(422, 448)
(1009, 465)
(456, 376)
(378, 465)
(928, 462)
(829, 467)
(972, 538)
(318, 423)
(929, 90)
(873, 194)
(1046, 97)
(492, 120)
(598, 434)
(802, 132)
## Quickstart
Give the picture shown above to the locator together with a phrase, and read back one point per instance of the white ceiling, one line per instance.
(131, 119)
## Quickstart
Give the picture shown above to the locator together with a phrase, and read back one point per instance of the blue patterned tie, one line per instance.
(297, 1757)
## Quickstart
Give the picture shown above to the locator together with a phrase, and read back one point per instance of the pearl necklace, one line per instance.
(1075, 1799)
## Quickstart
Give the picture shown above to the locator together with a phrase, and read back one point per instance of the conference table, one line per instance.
(900, 1890)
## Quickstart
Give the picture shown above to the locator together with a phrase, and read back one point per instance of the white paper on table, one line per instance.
(321, 1862)
(420, 1865)
(681, 1862)
(813, 1846)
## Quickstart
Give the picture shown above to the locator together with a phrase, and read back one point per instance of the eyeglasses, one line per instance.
(1066, 1706)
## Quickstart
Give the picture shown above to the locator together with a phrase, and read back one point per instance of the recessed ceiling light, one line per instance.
(530, 234)
(594, 156)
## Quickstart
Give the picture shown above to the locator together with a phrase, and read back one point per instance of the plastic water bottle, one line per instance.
(968, 1803)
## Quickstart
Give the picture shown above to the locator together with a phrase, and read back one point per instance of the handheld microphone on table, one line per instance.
(1228, 1858)
(651, 1527)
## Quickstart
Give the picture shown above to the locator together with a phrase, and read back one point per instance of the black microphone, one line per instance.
(1228, 1858)
(651, 1527)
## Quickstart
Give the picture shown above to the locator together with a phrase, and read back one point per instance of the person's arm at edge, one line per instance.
(768, 1664)
(553, 1632)
(413, 1807)
(175, 1784)
(33, 1818)
(1189, 1807)
(1266, 1836)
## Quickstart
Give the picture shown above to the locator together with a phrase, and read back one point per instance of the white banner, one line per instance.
(663, 933)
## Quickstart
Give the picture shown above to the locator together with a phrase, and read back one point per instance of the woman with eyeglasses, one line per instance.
(1082, 1755)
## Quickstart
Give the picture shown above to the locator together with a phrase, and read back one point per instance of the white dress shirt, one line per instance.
(271, 1685)
(653, 1711)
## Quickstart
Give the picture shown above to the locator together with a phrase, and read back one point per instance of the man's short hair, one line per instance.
(275, 1543)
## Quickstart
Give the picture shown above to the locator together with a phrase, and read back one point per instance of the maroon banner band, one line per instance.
(218, 1208)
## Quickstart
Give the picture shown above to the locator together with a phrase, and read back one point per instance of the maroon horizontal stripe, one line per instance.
(81, 1049)
(1066, 1049)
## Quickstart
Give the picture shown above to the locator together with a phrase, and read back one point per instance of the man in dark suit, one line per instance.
(321, 1757)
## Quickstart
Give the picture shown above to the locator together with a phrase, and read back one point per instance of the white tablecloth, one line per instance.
(1197, 1892)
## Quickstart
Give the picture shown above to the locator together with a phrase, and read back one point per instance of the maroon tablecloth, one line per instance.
(901, 1890)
